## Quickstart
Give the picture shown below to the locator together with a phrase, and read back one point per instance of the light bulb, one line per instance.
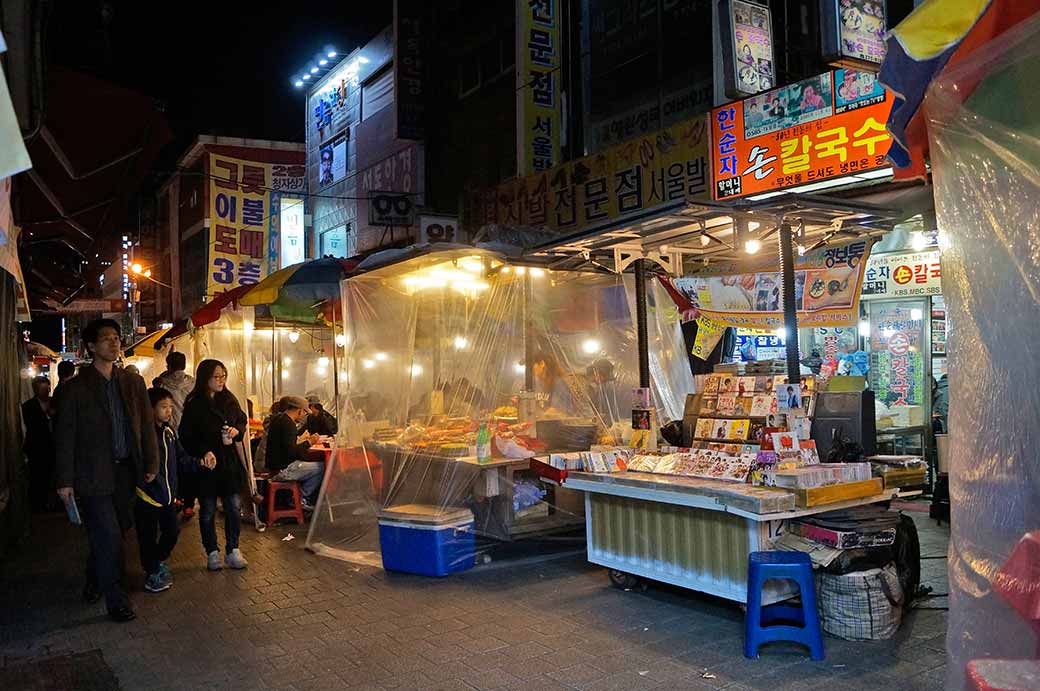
(323, 362)
(285, 374)
(147, 273)
(286, 361)
(368, 364)
(591, 346)
(537, 272)
(320, 371)
(519, 368)
(294, 336)
(380, 356)
(415, 370)
(460, 343)
(136, 268)
(752, 246)
(918, 241)
(705, 241)
(341, 340)
(521, 270)
(342, 376)
(801, 250)
(781, 333)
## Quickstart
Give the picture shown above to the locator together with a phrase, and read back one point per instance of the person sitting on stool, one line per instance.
(286, 453)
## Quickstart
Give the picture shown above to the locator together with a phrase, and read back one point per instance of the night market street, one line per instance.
(297, 621)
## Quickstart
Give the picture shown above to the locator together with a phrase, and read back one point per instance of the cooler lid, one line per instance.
(427, 514)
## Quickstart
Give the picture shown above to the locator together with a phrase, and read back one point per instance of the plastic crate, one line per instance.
(427, 540)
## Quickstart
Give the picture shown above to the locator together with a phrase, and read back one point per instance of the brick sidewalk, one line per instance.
(296, 621)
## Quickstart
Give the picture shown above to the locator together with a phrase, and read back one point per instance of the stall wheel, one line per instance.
(625, 581)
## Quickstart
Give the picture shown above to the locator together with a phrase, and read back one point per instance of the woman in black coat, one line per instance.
(211, 422)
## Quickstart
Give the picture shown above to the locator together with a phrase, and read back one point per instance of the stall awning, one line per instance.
(147, 346)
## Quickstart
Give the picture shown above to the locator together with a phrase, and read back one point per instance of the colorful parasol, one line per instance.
(207, 314)
(301, 292)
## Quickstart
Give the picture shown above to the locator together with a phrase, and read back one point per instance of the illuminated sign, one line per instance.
(748, 47)
(291, 233)
(853, 32)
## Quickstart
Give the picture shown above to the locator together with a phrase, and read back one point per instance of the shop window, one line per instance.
(337, 242)
(377, 93)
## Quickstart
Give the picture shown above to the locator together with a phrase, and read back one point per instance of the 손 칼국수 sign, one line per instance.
(818, 129)
(900, 275)
(240, 210)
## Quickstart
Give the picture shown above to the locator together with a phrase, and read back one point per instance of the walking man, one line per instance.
(106, 445)
(39, 444)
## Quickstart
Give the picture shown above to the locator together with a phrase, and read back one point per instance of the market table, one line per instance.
(687, 531)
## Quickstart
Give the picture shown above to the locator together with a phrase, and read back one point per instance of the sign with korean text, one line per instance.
(897, 275)
(538, 62)
(897, 359)
(827, 289)
(292, 248)
(817, 129)
(663, 167)
(239, 214)
(749, 63)
(86, 306)
(709, 333)
(853, 31)
(757, 344)
(409, 64)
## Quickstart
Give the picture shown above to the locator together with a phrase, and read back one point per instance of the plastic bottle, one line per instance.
(483, 444)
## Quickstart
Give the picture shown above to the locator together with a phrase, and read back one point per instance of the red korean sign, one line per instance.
(818, 129)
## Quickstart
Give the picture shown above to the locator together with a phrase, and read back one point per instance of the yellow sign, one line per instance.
(623, 181)
(539, 61)
(709, 333)
(240, 217)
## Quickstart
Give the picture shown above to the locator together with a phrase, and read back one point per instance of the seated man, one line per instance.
(320, 421)
(286, 453)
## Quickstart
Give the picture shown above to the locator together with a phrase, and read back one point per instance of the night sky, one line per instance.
(220, 67)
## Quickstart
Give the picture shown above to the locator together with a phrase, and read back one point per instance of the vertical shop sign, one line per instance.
(239, 214)
(853, 32)
(897, 338)
(538, 62)
(817, 129)
(409, 66)
(747, 49)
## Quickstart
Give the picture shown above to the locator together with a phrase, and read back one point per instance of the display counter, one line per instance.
(689, 532)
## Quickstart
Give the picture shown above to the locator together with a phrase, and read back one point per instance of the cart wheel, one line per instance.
(623, 580)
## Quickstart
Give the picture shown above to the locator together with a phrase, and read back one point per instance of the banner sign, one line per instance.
(240, 212)
(83, 306)
(599, 190)
(817, 129)
(897, 367)
(756, 344)
(899, 275)
(827, 289)
(709, 333)
(539, 60)
(409, 64)
(748, 48)
(853, 31)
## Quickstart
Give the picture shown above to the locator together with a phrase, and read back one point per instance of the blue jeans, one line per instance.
(232, 521)
(308, 473)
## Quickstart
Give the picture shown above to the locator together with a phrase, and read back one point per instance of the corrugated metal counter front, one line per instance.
(687, 531)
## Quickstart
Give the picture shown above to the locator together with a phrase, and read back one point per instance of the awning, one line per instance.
(147, 346)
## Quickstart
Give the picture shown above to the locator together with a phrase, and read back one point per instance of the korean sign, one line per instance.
(854, 31)
(756, 344)
(903, 275)
(827, 289)
(800, 134)
(709, 333)
(538, 61)
(409, 65)
(749, 55)
(897, 364)
(642, 174)
(239, 214)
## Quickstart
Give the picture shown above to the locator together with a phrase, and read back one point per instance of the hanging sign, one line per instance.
(747, 47)
(539, 60)
(239, 214)
(853, 32)
(709, 333)
(898, 275)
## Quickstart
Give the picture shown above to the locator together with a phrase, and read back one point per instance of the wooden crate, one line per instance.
(807, 498)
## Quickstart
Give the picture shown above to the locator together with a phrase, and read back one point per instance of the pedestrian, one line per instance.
(39, 444)
(155, 515)
(319, 420)
(286, 455)
(211, 423)
(106, 446)
(66, 371)
(179, 383)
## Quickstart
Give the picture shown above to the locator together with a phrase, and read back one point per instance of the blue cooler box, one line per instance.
(427, 540)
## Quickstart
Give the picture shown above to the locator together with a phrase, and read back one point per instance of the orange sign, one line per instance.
(818, 129)
(903, 274)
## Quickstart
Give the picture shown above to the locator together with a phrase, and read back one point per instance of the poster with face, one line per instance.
(753, 43)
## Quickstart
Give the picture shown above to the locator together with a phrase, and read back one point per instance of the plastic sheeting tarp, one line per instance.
(986, 158)
(443, 343)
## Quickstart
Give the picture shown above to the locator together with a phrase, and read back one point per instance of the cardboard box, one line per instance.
(841, 539)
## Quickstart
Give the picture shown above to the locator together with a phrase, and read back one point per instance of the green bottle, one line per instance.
(483, 444)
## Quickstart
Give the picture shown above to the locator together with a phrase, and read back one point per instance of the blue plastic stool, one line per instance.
(761, 624)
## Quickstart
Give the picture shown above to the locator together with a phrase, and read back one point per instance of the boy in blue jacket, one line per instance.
(154, 511)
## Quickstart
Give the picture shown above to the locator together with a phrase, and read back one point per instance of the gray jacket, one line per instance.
(180, 385)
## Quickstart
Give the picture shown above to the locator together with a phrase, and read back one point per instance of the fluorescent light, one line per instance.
(332, 53)
(314, 70)
(752, 246)
(826, 184)
(323, 62)
(363, 60)
(591, 346)
(305, 77)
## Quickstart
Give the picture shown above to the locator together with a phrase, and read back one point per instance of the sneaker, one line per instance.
(188, 513)
(155, 583)
(235, 559)
(306, 506)
(213, 561)
(165, 574)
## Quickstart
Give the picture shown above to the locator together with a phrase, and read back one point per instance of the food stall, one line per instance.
(463, 366)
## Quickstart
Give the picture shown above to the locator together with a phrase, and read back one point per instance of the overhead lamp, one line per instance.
(286, 361)
(147, 273)
(294, 336)
(332, 53)
(341, 340)
(801, 250)
(415, 370)
(519, 368)
(305, 77)
(136, 268)
(285, 374)
(752, 246)
(298, 83)
(368, 364)
(323, 362)
(591, 346)
(705, 240)
(363, 60)
(323, 62)
(537, 272)
(381, 357)
(320, 371)
(314, 70)
(918, 241)
(461, 343)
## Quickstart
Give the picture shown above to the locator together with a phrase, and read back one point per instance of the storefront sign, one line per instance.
(438, 229)
(330, 107)
(293, 249)
(896, 339)
(854, 31)
(539, 59)
(600, 190)
(409, 65)
(709, 333)
(747, 47)
(827, 289)
(903, 275)
(756, 344)
(817, 129)
(239, 215)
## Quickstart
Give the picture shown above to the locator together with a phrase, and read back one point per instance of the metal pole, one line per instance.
(641, 328)
(335, 361)
(528, 336)
(274, 359)
(790, 307)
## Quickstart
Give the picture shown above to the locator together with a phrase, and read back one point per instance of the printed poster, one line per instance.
(240, 213)
(753, 43)
(861, 29)
(709, 333)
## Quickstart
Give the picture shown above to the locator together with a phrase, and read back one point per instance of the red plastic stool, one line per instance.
(274, 514)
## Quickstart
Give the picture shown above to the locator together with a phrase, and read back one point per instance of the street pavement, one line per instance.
(297, 621)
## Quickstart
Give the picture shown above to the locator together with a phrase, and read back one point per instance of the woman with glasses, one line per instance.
(212, 422)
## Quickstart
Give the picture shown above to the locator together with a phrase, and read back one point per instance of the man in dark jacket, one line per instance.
(320, 421)
(39, 444)
(286, 452)
(106, 445)
(66, 371)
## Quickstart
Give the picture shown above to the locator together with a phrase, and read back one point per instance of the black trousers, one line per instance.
(107, 518)
(188, 489)
(157, 528)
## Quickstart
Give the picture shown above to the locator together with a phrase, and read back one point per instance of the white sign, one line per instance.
(293, 248)
(902, 274)
(439, 229)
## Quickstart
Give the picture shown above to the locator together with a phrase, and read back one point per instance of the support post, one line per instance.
(528, 336)
(335, 361)
(790, 306)
(642, 334)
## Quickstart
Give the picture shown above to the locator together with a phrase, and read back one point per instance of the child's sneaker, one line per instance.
(165, 574)
(213, 561)
(235, 560)
(155, 584)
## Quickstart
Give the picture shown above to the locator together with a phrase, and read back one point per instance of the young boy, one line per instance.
(154, 511)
